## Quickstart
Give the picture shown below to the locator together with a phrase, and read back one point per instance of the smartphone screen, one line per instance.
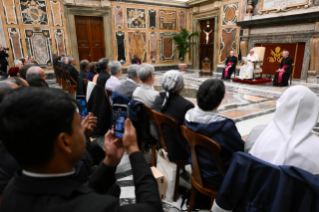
(82, 106)
(120, 114)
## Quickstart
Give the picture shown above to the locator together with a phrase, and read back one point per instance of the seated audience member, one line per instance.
(92, 72)
(23, 60)
(128, 87)
(71, 68)
(37, 82)
(65, 63)
(84, 66)
(5, 87)
(170, 103)
(288, 139)
(36, 71)
(14, 71)
(104, 74)
(136, 60)
(284, 70)
(47, 149)
(98, 71)
(18, 63)
(31, 60)
(18, 81)
(23, 70)
(116, 70)
(56, 60)
(60, 63)
(26, 60)
(146, 93)
(206, 120)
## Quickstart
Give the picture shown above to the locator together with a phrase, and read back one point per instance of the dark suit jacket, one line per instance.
(135, 61)
(65, 67)
(127, 88)
(60, 64)
(286, 61)
(74, 73)
(102, 78)
(83, 73)
(65, 194)
(177, 107)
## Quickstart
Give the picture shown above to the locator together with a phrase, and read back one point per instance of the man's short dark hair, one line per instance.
(92, 66)
(5, 87)
(23, 70)
(29, 57)
(17, 80)
(83, 64)
(103, 63)
(210, 94)
(36, 81)
(29, 133)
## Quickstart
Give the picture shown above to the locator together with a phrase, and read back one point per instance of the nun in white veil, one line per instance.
(288, 139)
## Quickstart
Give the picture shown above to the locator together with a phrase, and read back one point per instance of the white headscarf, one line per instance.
(288, 140)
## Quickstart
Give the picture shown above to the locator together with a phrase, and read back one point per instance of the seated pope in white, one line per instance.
(246, 71)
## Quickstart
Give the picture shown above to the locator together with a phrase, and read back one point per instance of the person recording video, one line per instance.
(3, 60)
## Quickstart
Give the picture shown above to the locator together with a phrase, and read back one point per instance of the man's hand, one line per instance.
(88, 124)
(114, 149)
(130, 138)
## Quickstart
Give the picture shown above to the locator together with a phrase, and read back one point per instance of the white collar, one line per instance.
(37, 175)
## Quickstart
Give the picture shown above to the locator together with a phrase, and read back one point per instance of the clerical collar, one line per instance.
(37, 175)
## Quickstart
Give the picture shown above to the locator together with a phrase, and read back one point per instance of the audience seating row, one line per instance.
(65, 80)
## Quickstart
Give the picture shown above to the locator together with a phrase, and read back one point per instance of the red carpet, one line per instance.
(251, 82)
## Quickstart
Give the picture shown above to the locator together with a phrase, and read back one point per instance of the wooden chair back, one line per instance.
(148, 111)
(195, 139)
(162, 119)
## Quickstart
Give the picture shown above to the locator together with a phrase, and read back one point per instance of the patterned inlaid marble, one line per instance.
(10, 11)
(118, 15)
(60, 42)
(56, 13)
(15, 42)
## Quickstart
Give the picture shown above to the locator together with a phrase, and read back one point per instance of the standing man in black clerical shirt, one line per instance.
(3, 60)
(230, 65)
(284, 70)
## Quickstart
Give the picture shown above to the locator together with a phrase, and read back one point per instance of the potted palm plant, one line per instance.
(183, 43)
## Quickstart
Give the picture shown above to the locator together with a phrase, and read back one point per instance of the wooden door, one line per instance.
(90, 37)
(202, 50)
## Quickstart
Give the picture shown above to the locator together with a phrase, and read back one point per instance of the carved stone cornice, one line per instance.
(195, 2)
(86, 3)
(160, 2)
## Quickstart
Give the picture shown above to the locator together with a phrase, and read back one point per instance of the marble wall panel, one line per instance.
(136, 18)
(40, 46)
(228, 42)
(230, 14)
(60, 42)
(166, 48)
(34, 12)
(56, 13)
(190, 21)
(15, 43)
(167, 20)
(118, 15)
(152, 18)
(120, 46)
(153, 47)
(137, 45)
(10, 11)
(181, 20)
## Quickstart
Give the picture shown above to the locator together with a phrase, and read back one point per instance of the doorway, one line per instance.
(90, 37)
(202, 47)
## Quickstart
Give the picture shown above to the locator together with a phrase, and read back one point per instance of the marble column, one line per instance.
(314, 55)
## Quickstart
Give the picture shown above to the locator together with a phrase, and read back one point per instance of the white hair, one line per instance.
(252, 50)
(132, 71)
(114, 67)
(145, 71)
(286, 52)
(16, 62)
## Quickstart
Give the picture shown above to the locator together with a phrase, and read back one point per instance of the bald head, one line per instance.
(36, 71)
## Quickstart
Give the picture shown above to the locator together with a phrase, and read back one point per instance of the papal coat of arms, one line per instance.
(276, 55)
(34, 12)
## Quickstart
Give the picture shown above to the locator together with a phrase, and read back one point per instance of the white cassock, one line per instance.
(246, 71)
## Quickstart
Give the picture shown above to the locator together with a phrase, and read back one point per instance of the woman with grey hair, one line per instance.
(172, 104)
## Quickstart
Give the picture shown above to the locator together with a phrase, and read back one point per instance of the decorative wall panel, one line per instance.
(167, 19)
(190, 21)
(118, 15)
(230, 14)
(15, 43)
(181, 20)
(10, 11)
(34, 12)
(56, 13)
(137, 45)
(166, 48)
(227, 43)
(120, 46)
(152, 18)
(60, 42)
(153, 47)
(39, 44)
(135, 18)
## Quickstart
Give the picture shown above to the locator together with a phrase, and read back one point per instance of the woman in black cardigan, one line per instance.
(230, 65)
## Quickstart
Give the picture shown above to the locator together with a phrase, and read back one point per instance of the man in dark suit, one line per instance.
(71, 68)
(128, 87)
(105, 72)
(47, 149)
(65, 63)
(55, 59)
(84, 66)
